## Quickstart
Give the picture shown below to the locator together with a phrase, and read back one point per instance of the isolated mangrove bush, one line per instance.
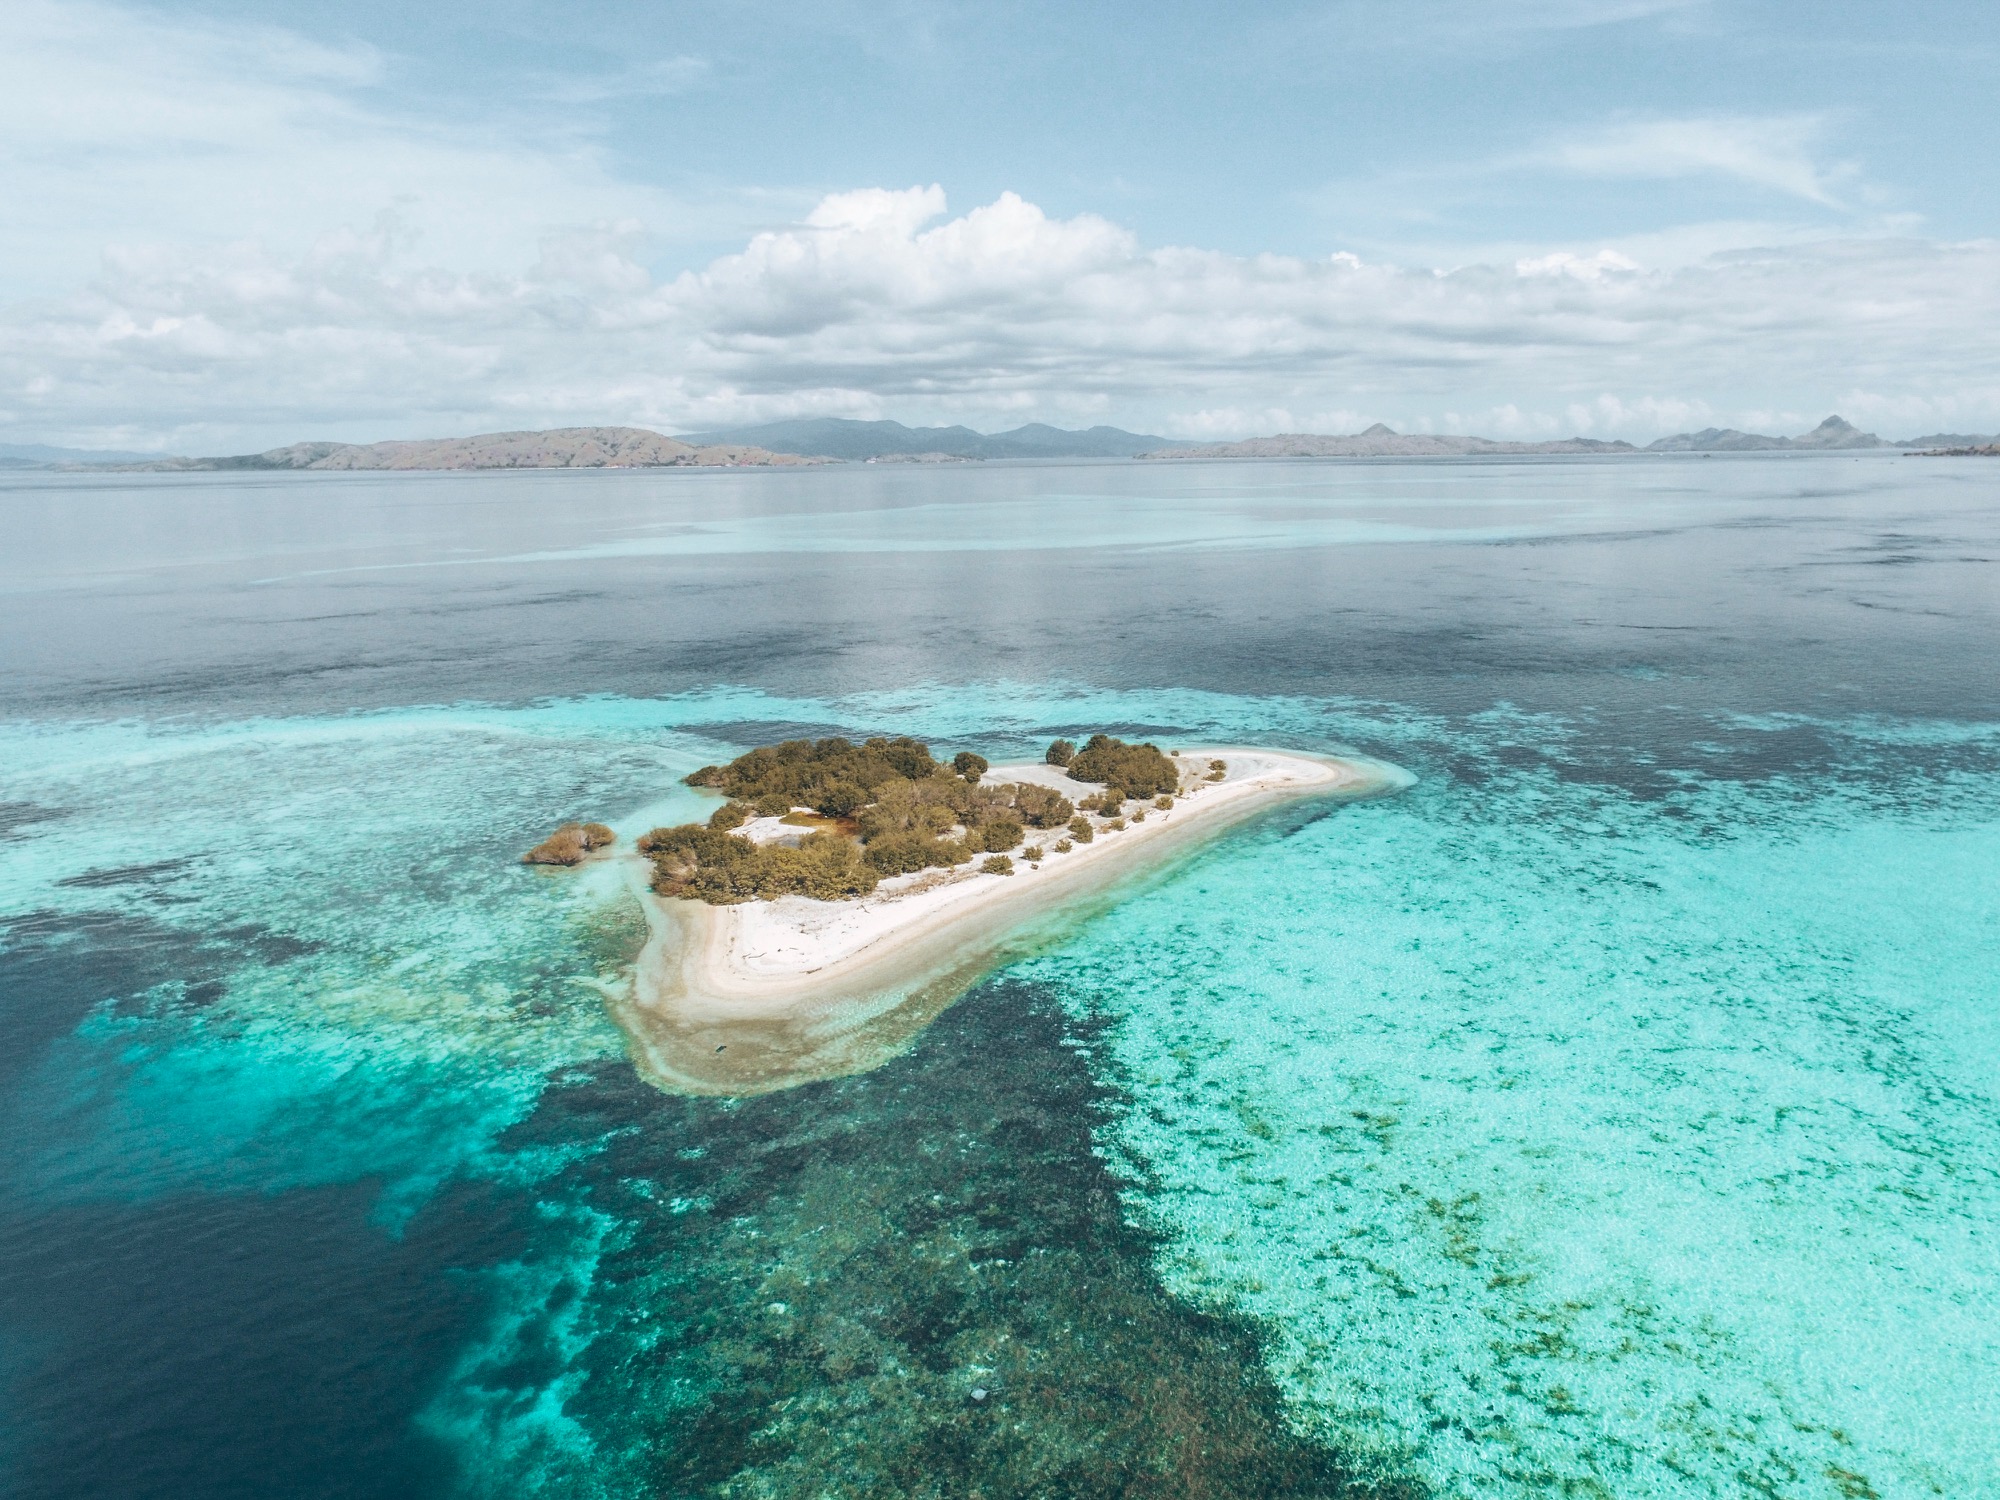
(1060, 753)
(569, 844)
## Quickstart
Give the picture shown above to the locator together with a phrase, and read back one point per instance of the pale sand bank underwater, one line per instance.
(767, 995)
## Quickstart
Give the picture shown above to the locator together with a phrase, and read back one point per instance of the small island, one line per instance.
(840, 895)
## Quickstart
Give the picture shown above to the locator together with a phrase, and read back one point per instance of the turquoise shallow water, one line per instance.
(1614, 1111)
(1571, 1144)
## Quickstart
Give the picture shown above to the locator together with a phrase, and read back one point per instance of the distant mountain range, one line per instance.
(1832, 433)
(841, 437)
(822, 438)
(43, 456)
(560, 448)
(1381, 442)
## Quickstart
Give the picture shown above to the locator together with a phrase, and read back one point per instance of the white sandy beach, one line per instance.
(766, 994)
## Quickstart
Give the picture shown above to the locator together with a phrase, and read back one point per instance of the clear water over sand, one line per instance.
(1612, 1112)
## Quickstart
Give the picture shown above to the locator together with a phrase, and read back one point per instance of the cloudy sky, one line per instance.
(244, 222)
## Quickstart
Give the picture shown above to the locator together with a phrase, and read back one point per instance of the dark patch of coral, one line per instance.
(919, 1282)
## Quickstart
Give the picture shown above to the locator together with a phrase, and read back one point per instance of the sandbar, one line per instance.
(766, 995)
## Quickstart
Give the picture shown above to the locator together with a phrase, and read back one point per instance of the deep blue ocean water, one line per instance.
(1614, 1112)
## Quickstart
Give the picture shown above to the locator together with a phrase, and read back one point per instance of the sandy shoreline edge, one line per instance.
(747, 999)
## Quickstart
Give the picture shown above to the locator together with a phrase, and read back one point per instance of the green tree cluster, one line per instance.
(1129, 770)
(721, 868)
(831, 776)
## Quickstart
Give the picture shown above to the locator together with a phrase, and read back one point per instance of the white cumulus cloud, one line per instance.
(881, 302)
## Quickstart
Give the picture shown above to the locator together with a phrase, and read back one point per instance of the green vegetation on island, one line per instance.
(878, 809)
(884, 807)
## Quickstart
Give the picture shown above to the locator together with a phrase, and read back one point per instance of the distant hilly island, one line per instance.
(840, 439)
(557, 448)
(817, 440)
(1383, 442)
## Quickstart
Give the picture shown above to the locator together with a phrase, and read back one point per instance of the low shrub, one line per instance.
(1081, 831)
(997, 836)
(1060, 753)
(1063, 846)
(1116, 825)
(906, 852)
(970, 766)
(1163, 802)
(996, 864)
(1032, 854)
(1042, 806)
(1138, 815)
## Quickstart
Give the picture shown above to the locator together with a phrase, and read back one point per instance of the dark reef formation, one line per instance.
(917, 1283)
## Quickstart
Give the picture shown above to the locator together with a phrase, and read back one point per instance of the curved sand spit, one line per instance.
(769, 994)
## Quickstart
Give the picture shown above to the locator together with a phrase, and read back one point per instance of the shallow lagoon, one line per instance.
(1613, 1112)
